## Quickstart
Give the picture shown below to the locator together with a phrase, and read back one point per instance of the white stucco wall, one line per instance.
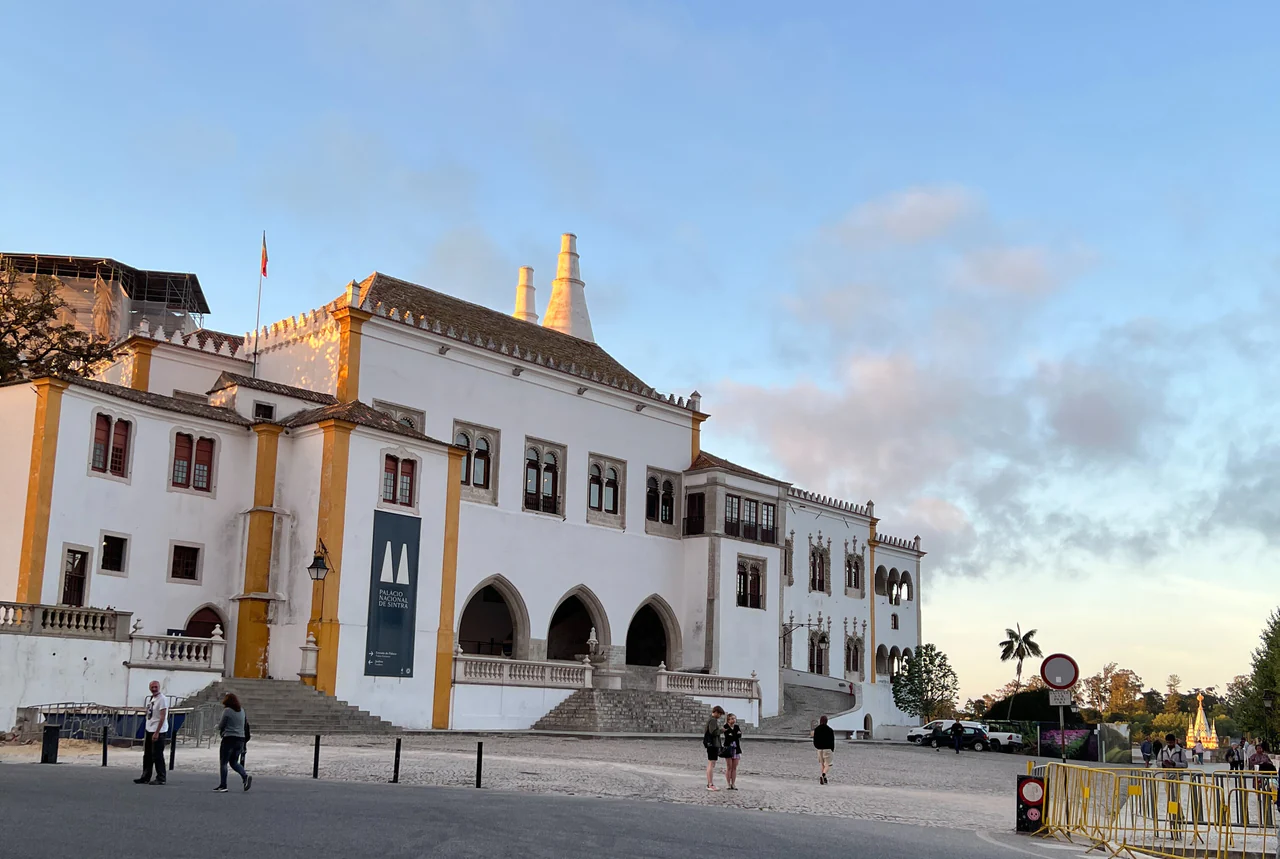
(17, 419)
(502, 708)
(180, 368)
(748, 637)
(306, 358)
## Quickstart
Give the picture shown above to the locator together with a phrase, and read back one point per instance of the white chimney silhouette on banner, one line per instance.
(402, 571)
(386, 566)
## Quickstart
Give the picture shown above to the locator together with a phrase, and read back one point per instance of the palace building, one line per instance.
(503, 514)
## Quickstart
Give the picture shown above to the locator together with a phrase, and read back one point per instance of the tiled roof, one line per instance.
(227, 380)
(473, 323)
(360, 414)
(160, 401)
(203, 339)
(708, 460)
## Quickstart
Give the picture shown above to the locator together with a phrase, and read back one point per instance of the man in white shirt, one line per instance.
(156, 727)
(1172, 756)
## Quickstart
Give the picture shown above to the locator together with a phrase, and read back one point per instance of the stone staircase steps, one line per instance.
(801, 708)
(290, 707)
(626, 711)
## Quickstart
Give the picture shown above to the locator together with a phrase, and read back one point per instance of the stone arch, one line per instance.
(906, 655)
(481, 630)
(882, 660)
(201, 622)
(868, 725)
(891, 586)
(575, 615)
(908, 586)
(895, 662)
(882, 577)
(672, 644)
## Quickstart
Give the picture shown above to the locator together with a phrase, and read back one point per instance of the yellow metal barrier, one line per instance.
(1179, 814)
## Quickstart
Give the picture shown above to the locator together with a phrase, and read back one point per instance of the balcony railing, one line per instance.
(694, 525)
(496, 671)
(179, 652)
(709, 685)
(749, 531)
(769, 535)
(64, 621)
(731, 528)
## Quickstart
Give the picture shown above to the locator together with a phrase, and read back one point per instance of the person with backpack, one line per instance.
(1233, 758)
(231, 727)
(711, 741)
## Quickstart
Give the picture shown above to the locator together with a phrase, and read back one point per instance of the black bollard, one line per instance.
(104, 745)
(479, 761)
(49, 744)
(315, 762)
(173, 747)
(395, 776)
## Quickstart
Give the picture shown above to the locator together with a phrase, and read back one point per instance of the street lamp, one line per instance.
(320, 565)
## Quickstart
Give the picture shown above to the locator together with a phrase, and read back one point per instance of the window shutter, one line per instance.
(101, 441)
(120, 448)
(204, 465)
(406, 482)
(182, 460)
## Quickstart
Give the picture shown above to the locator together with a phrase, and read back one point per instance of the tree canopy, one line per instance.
(927, 685)
(33, 340)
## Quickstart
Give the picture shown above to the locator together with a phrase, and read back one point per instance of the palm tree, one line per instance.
(1018, 645)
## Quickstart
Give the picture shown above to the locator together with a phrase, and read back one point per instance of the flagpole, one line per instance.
(257, 320)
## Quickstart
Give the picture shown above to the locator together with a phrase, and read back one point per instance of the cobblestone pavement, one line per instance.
(870, 782)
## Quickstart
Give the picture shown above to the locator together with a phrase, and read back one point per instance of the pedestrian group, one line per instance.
(233, 727)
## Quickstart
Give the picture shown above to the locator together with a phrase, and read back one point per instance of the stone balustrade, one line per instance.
(498, 671)
(708, 685)
(64, 621)
(179, 653)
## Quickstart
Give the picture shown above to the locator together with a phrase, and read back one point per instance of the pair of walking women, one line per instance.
(723, 742)
(234, 728)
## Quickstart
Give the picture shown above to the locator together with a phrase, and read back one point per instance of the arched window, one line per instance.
(907, 587)
(850, 649)
(667, 515)
(895, 663)
(595, 488)
(882, 576)
(611, 490)
(852, 579)
(463, 440)
(818, 647)
(550, 483)
(750, 584)
(532, 476)
(893, 621)
(651, 500)
(817, 570)
(480, 464)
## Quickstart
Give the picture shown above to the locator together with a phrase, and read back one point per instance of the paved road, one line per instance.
(93, 813)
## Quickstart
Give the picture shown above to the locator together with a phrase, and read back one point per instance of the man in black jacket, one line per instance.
(824, 740)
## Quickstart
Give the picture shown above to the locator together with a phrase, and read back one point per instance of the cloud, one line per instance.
(1009, 270)
(911, 216)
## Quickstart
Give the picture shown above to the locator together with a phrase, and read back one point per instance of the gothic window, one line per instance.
(595, 487)
(414, 419)
(906, 587)
(750, 583)
(111, 448)
(667, 514)
(480, 464)
(464, 440)
(818, 647)
(851, 580)
(788, 558)
(479, 477)
(660, 503)
(611, 490)
(550, 482)
(543, 484)
(605, 478)
(817, 570)
(651, 500)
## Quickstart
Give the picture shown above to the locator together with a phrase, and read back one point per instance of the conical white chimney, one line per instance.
(567, 309)
(526, 309)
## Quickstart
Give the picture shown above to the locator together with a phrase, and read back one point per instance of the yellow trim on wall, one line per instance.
(253, 634)
(350, 322)
(696, 439)
(330, 526)
(140, 378)
(35, 522)
(448, 592)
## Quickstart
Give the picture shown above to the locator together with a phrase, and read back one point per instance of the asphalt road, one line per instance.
(92, 813)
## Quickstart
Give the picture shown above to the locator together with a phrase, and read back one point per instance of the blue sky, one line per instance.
(1011, 271)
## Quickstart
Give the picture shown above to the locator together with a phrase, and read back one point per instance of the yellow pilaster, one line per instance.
(35, 523)
(448, 592)
(350, 322)
(252, 631)
(330, 525)
(872, 542)
(696, 441)
(140, 379)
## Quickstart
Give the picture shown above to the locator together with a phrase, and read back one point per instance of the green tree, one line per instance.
(1125, 696)
(927, 685)
(1018, 645)
(1253, 717)
(33, 342)
(1173, 700)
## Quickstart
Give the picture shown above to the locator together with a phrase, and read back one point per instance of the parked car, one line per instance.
(917, 735)
(1002, 738)
(974, 738)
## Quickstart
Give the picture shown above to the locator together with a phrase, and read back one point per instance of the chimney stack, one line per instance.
(526, 309)
(567, 309)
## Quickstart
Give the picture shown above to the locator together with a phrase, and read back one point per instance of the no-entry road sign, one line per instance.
(1060, 671)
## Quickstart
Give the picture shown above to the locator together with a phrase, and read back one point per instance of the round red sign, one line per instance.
(1060, 671)
(1032, 792)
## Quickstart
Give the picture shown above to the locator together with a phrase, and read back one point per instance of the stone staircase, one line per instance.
(289, 707)
(801, 707)
(627, 711)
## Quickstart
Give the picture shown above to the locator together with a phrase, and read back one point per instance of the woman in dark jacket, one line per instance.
(232, 729)
(732, 749)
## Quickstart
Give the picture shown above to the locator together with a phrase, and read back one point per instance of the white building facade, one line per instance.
(505, 512)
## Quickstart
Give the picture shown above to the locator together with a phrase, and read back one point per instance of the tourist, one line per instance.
(711, 741)
(732, 749)
(1199, 752)
(824, 740)
(1246, 752)
(1233, 757)
(156, 727)
(937, 739)
(231, 727)
(1146, 752)
(1261, 758)
(1172, 756)
(957, 735)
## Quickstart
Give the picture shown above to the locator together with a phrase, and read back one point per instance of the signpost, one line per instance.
(1060, 673)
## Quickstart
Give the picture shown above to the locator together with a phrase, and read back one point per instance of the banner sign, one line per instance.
(393, 595)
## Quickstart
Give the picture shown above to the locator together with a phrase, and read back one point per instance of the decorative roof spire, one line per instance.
(526, 309)
(567, 309)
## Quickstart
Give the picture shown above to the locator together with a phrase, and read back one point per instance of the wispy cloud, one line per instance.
(910, 216)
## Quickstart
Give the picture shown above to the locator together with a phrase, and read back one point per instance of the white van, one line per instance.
(917, 735)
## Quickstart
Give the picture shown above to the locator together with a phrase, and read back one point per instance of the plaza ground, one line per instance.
(93, 813)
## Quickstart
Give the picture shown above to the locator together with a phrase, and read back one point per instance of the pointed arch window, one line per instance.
(611, 490)
(532, 475)
(464, 440)
(651, 499)
(480, 464)
(543, 485)
(595, 487)
(479, 475)
(750, 583)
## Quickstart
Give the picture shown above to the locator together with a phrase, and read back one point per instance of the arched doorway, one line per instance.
(571, 624)
(202, 623)
(653, 638)
(868, 726)
(494, 621)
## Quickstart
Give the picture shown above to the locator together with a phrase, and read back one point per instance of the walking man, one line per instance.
(156, 727)
(824, 740)
(1146, 753)
(957, 735)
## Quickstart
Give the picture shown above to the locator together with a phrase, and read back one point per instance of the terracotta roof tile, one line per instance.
(571, 355)
(360, 414)
(228, 379)
(160, 401)
(708, 460)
